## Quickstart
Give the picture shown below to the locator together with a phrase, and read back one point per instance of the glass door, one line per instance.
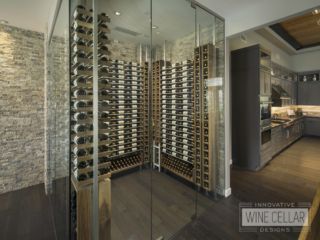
(148, 83)
(174, 193)
(209, 106)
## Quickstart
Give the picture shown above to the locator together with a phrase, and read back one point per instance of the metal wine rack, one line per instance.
(206, 117)
(126, 111)
(156, 103)
(82, 96)
(146, 125)
(177, 127)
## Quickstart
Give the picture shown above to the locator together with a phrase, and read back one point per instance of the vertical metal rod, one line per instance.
(154, 155)
(147, 53)
(156, 52)
(164, 52)
(159, 158)
(150, 107)
(95, 121)
(140, 54)
(216, 110)
(198, 35)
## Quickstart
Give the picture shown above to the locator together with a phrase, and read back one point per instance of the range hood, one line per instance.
(278, 94)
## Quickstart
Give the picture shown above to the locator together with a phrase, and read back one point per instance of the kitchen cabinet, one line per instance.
(265, 82)
(312, 126)
(292, 93)
(285, 134)
(313, 93)
(303, 93)
(308, 93)
(276, 138)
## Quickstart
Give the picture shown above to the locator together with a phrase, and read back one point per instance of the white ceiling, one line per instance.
(174, 19)
(27, 14)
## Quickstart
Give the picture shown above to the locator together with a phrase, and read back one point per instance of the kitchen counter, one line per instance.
(291, 119)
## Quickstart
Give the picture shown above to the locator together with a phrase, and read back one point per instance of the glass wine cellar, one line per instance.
(137, 116)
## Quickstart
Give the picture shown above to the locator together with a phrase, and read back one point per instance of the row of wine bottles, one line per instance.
(82, 110)
(119, 163)
(85, 176)
(124, 110)
(87, 127)
(184, 157)
(177, 111)
(176, 165)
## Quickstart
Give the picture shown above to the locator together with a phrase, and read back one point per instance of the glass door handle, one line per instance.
(154, 156)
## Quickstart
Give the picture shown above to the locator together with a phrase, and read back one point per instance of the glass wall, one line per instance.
(58, 94)
(147, 117)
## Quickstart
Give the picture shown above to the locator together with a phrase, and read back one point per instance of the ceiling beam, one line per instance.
(277, 28)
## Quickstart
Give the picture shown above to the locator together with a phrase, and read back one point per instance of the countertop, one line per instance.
(292, 119)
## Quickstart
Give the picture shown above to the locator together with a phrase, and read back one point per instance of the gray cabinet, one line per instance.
(312, 126)
(285, 135)
(293, 93)
(265, 82)
(313, 92)
(303, 93)
(308, 93)
(276, 138)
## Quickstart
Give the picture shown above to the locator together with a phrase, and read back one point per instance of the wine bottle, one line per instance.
(79, 140)
(76, 14)
(79, 80)
(79, 152)
(103, 92)
(80, 128)
(78, 92)
(76, 38)
(80, 116)
(79, 68)
(81, 165)
(79, 104)
(82, 177)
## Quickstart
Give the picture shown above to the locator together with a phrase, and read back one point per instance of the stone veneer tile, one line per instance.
(21, 108)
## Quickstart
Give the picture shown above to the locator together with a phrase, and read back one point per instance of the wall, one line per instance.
(306, 61)
(253, 39)
(123, 51)
(313, 111)
(22, 108)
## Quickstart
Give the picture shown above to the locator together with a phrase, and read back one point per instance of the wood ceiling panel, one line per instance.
(304, 29)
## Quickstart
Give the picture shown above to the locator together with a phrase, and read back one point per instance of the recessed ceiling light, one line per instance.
(154, 27)
(158, 32)
(318, 22)
(117, 13)
(316, 11)
(4, 22)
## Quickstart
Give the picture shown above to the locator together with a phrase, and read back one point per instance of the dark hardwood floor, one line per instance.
(26, 215)
(173, 205)
(293, 176)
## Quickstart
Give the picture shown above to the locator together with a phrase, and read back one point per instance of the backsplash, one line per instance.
(313, 111)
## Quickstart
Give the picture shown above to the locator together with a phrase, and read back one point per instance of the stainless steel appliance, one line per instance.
(265, 137)
(265, 110)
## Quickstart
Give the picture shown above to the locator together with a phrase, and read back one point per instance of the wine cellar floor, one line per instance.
(173, 205)
(26, 214)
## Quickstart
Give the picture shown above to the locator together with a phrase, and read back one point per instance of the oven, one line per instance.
(265, 137)
(265, 110)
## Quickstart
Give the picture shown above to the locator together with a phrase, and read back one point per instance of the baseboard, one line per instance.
(227, 192)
